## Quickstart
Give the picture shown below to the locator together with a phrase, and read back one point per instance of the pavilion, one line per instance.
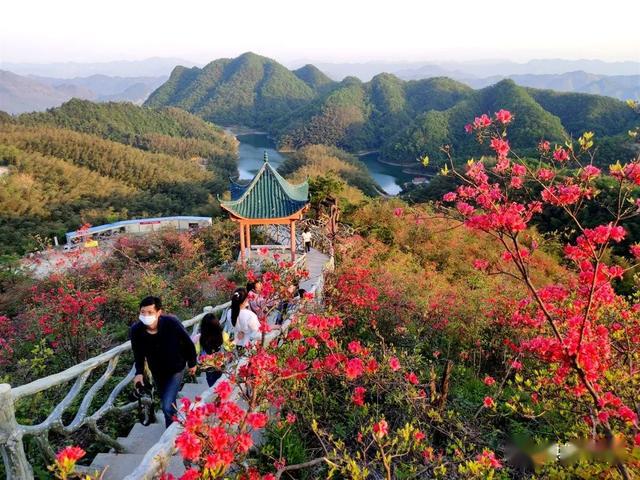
(267, 199)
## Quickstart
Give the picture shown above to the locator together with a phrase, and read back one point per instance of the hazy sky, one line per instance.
(320, 30)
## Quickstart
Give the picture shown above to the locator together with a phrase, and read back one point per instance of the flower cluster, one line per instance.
(575, 327)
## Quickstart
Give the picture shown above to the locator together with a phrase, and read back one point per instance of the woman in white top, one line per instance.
(306, 238)
(246, 326)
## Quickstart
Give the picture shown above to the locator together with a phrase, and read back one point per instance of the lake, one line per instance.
(252, 147)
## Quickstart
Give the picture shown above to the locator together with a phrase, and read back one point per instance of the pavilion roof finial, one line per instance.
(265, 157)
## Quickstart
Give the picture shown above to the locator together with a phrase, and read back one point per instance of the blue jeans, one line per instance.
(168, 392)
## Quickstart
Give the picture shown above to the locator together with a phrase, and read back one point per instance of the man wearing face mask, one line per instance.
(164, 343)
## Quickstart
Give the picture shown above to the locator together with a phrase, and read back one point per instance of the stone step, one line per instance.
(191, 390)
(120, 465)
(141, 438)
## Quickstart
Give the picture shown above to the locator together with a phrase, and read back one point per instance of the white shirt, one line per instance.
(306, 236)
(247, 327)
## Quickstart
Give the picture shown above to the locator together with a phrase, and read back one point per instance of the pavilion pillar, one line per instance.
(292, 226)
(248, 239)
(242, 252)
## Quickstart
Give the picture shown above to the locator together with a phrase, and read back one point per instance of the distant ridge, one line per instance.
(405, 120)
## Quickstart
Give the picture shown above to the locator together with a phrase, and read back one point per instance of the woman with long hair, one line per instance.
(246, 326)
(211, 341)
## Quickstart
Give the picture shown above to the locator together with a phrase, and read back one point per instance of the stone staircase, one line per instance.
(141, 439)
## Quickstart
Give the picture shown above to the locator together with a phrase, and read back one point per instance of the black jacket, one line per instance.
(166, 351)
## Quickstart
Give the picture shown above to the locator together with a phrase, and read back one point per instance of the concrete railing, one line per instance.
(16, 464)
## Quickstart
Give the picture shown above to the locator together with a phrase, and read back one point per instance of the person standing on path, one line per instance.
(162, 341)
(306, 238)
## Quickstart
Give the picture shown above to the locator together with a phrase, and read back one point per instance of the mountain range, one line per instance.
(20, 94)
(149, 67)
(404, 119)
(476, 69)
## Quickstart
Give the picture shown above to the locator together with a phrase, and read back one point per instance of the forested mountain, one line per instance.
(404, 119)
(87, 162)
(249, 90)
(165, 130)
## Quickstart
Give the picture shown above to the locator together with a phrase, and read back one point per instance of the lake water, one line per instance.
(389, 177)
(251, 152)
(253, 145)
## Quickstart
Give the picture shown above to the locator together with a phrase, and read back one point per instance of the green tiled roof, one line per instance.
(268, 195)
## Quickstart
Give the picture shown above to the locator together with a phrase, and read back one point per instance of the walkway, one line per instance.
(141, 439)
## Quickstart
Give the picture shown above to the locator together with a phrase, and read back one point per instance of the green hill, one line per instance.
(249, 90)
(313, 77)
(433, 129)
(96, 163)
(403, 119)
(164, 130)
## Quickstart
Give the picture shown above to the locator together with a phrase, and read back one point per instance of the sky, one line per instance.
(44, 31)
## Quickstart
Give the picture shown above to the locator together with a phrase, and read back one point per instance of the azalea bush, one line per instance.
(357, 407)
(583, 336)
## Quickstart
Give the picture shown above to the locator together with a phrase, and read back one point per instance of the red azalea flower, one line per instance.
(381, 428)
(394, 363)
(489, 381)
(504, 116)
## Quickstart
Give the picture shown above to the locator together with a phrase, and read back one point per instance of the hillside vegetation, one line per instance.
(406, 120)
(87, 162)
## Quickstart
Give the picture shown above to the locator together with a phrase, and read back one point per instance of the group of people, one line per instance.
(163, 343)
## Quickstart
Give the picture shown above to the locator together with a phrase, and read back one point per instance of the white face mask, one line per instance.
(147, 319)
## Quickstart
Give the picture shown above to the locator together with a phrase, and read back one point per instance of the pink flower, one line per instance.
(488, 458)
(418, 436)
(412, 378)
(518, 169)
(545, 174)
(627, 414)
(291, 418)
(358, 396)
(516, 182)
(464, 208)
(635, 250)
(560, 154)
(189, 445)
(544, 146)
(394, 363)
(480, 264)
(263, 251)
(355, 347)
(191, 474)
(482, 121)
(468, 128)
(381, 428)
(504, 116)
(489, 381)
(589, 172)
(354, 368)
(489, 402)
(516, 365)
(244, 442)
(500, 146)
(450, 197)
(398, 212)
(70, 454)
(223, 389)
(257, 419)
